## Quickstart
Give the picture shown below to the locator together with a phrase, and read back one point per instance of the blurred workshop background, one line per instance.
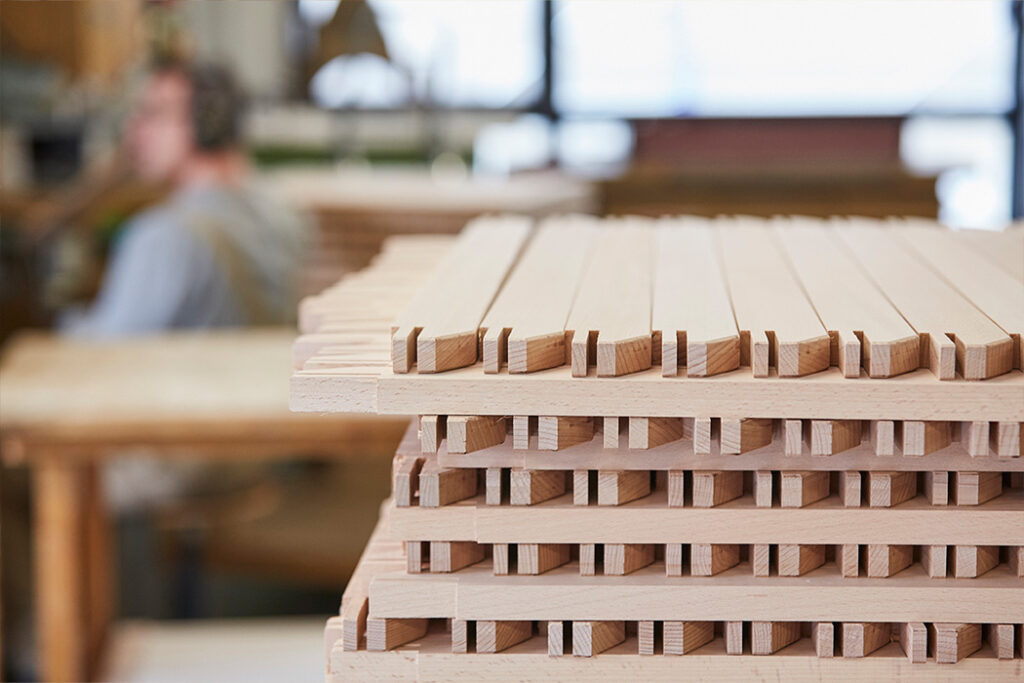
(172, 166)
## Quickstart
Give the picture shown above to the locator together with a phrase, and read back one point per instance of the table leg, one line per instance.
(58, 498)
(99, 559)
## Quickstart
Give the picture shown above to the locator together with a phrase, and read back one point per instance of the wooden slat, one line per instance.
(526, 325)
(992, 290)
(1004, 249)
(612, 311)
(692, 311)
(978, 348)
(439, 328)
(868, 331)
(777, 323)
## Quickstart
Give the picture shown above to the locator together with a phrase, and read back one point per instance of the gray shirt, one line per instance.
(207, 257)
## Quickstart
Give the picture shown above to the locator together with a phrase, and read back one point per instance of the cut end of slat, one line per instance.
(495, 347)
(623, 356)
(437, 354)
(760, 353)
(539, 352)
(939, 353)
(848, 354)
(714, 357)
(403, 349)
(983, 361)
(580, 353)
(890, 358)
(796, 359)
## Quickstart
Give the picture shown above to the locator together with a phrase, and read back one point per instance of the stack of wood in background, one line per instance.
(721, 439)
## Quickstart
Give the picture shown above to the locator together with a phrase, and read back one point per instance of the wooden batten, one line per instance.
(707, 559)
(952, 642)
(651, 432)
(803, 488)
(861, 639)
(444, 486)
(556, 433)
(618, 487)
(886, 560)
(971, 561)
(975, 488)
(886, 489)
(387, 634)
(740, 435)
(768, 637)
(716, 487)
(828, 437)
(594, 637)
(683, 637)
(625, 558)
(496, 636)
(474, 432)
(796, 559)
(529, 487)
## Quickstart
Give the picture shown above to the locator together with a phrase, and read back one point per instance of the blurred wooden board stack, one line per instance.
(723, 439)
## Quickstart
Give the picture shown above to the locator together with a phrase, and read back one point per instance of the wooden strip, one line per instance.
(763, 489)
(493, 486)
(803, 488)
(676, 488)
(861, 639)
(953, 642)
(933, 560)
(798, 559)
(734, 637)
(651, 432)
(594, 637)
(526, 323)
(716, 487)
(777, 323)
(501, 558)
(468, 433)
(1008, 439)
(1002, 248)
(971, 561)
(439, 328)
(996, 293)
(440, 486)
(745, 434)
(529, 487)
(581, 487)
(922, 438)
(1000, 637)
(611, 432)
(387, 634)
(886, 489)
(556, 638)
(588, 559)
(936, 487)
(520, 432)
(834, 436)
(612, 310)
(415, 561)
(793, 435)
(451, 556)
(556, 433)
(702, 435)
(432, 432)
(460, 636)
(886, 560)
(768, 637)
(708, 559)
(959, 336)
(975, 438)
(975, 488)
(645, 637)
(760, 559)
(848, 560)
(696, 331)
(407, 481)
(674, 559)
(914, 640)
(824, 638)
(1015, 556)
(683, 637)
(866, 328)
(849, 489)
(618, 487)
(882, 434)
(625, 558)
(537, 558)
(495, 636)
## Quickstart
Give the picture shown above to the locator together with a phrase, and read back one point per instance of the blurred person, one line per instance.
(218, 252)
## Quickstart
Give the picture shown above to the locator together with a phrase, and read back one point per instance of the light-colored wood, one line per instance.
(823, 637)
(978, 348)
(625, 558)
(386, 634)
(581, 487)
(500, 560)
(825, 395)
(798, 559)
(834, 436)
(702, 435)
(537, 558)
(696, 331)
(794, 437)
(971, 561)
(556, 433)
(618, 487)
(645, 637)
(734, 637)
(936, 487)
(914, 640)
(493, 489)
(650, 520)
(415, 560)
(1015, 560)
(407, 481)
(438, 330)
(763, 489)
(708, 559)
(588, 559)
(651, 432)
(760, 559)
(778, 326)
(922, 438)
(953, 642)
(800, 489)
(933, 560)
(886, 489)
(441, 486)
(676, 488)
(431, 432)
(882, 433)
(460, 636)
(556, 639)
(975, 488)
(849, 489)
(529, 487)
(451, 556)
(674, 559)
(975, 438)
(768, 637)
(611, 432)
(496, 636)
(1000, 637)
(885, 560)
(683, 637)
(848, 560)
(525, 326)
(594, 637)
(745, 434)
(868, 331)
(1004, 249)
(716, 487)
(992, 290)
(521, 432)
(611, 316)
(468, 433)
(1008, 439)
(861, 639)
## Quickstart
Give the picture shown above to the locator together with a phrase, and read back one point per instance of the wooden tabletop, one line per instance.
(192, 388)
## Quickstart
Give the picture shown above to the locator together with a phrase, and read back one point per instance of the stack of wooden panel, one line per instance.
(722, 439)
